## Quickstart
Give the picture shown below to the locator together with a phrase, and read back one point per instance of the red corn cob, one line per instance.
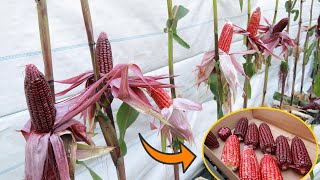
(231, 153)
(266, 141)
(211, 141)
(252, 136)
(301, 159)
(269, 169)
(254, 22)
(279, 27)
(161, 97)
(103, 54)
(226, 37)
(283, 153)
(224, 133)
(249, 166)
(39, 100)
(241, 128)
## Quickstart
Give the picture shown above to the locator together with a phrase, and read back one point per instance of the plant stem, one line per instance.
(268, 63)
(171, 73)
(316, 68)
(88, 24)
(306, 44)
(111, 139)
(216, 58)
(248, 60)
(283, 83)
(45, 43)
(297, 54)
(106, 122)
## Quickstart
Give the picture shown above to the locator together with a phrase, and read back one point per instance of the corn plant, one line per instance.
(174, 15)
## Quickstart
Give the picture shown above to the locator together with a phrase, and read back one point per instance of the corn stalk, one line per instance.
(306, 44)
(284, 64)
(217, 66)
(248, 60)
(106, 122)
(268, 62)
(173, 90)
(45, 42)
(297, 53)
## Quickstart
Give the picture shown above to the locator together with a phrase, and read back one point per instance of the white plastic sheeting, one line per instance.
(135, 31)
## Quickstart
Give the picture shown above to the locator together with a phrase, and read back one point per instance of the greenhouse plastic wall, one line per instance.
(135, 30)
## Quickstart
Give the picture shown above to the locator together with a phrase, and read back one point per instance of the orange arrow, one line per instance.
(185, 156)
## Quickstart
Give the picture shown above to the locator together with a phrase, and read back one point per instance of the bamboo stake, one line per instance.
(248, 60)
(297, 53)
(45, 42)
(306, 44)
(106, 122)
(268, 62)
(173, 90)
(283, 82)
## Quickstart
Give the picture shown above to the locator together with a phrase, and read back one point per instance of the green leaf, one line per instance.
(180, 41)
(125, 117)
(249, 69)
(310, 50)
(213, 84)
(241, 4)
(317, 84)
(296, 12)
(294, 4)
(287, 5)
(92, 173)
(312, 175)
(249, 90)
(180, 12)
(311, 32)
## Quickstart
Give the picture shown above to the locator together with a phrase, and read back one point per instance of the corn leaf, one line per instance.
(86, 152)
(287, 6)
(241, 4)
(92, 173)
(180, 41)
(310, 50)
(296, 14)
(179, 12)
(213, 85)
(125, 117)
(317, 84)
(311, 31)
(249, 90)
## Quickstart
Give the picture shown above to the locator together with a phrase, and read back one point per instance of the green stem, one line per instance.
(283, 83)
(297, 53)
(171, 73)
(248, 60)
(306, 44)
(217, 66)
(268, 62)
(316, 68)
(45, 43)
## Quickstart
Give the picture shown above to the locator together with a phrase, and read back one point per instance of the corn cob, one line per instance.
(252, 136)
(283, 153)
(269, 169)
(231, 153)
(279, 27)
(226, 37)
(224, 133)
(266, 141)
(161, 97)
(254, 22)
(211, 140)
(249, 166)
(39, 100)
(301, 159)
(241, 128)
(104, 54)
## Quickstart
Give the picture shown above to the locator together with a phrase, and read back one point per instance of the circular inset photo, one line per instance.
(260, 143)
